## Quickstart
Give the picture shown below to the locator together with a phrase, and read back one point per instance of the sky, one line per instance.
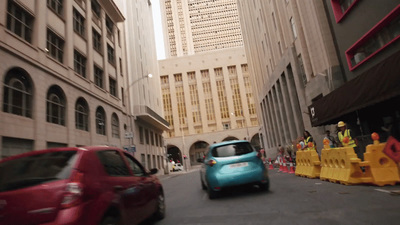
(155, 4)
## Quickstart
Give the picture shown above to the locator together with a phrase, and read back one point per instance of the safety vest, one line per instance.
(306, 143)
(352, 143)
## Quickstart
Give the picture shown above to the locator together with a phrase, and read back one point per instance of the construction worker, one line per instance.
(309, 139)
(344, 132)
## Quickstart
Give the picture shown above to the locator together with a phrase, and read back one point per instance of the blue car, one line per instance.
(232, 163)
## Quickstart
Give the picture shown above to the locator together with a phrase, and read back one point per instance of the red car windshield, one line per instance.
(36, 169)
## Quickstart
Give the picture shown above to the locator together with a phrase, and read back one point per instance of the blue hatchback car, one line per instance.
(232, 163)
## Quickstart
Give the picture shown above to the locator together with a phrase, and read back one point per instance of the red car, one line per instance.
(82, 185)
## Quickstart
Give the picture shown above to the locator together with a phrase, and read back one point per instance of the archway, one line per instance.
(230, 138)
(174, 154)
(197, 151)
(255, 142)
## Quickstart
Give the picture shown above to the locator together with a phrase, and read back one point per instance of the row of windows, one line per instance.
(18, 99)
(21, 23)
(342, 7)
(375, 40)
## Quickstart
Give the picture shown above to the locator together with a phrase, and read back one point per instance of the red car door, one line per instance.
(147, 185)
(120, 178)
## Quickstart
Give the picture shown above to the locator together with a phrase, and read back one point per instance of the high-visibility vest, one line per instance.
(352, 143)
(306, 143)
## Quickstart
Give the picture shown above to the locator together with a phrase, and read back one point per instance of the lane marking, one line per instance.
(382, 190)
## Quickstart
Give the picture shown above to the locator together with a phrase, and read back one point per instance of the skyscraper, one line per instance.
(192, 27)
(205, 81)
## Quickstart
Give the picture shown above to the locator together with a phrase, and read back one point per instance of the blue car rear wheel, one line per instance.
(211, 193)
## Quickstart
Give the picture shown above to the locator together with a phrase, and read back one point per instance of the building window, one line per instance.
(226, 126)
(342, 7)
(55, 46)
(273, 20)
(55, 106)
(115, 126)
(141, 136)
(152, 137)
(79, 63)
(111, 55)
(100, 121)
(375, 40)
(113, 87)
(110, 28)
(96, 9)
(98, 76)
(17, 93)
(293, 26)
(96, 40)
(123, 96)
(146, 134)
(56, 6)
(19, 21)
(82, 115)
(302, 70)
(79, 23)
(120, 67)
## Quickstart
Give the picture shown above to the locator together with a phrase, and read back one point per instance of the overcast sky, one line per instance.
(158, 29)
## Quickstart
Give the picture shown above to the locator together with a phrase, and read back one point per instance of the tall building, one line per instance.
(205, 81)
(192, 26)
(146, 125)
(366, 37)
(292, 55)
(316, 63)
(72, 76)
(62, 75)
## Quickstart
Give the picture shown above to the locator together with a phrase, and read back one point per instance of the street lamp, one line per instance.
(129, 135)
(140, 78)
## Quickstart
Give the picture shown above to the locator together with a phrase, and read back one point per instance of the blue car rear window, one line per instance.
(232, 150)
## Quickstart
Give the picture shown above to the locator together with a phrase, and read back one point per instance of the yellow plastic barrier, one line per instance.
(349, 167)
(307, 164)
(326, 168)
(300, 163)
(340, 165)
(334, 165)
(379, 168)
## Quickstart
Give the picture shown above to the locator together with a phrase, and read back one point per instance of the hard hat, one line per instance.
(341, 124)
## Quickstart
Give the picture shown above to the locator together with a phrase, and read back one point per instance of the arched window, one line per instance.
(55, 106)
(18, 93)
(81, 115)
(115, 125)
(100, 121)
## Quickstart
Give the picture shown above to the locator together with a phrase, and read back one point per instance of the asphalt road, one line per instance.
(291, 200)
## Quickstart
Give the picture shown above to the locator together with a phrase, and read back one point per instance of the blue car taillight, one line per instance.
(211, 162)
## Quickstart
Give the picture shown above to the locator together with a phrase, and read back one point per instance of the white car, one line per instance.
(177, 167)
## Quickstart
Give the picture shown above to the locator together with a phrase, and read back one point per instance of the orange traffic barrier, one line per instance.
(285, 170)
(271, 167)
(280, 164)
(291, 168)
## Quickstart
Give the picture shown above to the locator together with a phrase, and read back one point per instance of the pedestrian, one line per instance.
(309, 139)
(331, 139)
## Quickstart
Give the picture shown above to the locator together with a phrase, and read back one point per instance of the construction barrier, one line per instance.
(341, 165)
(380, 169)
(326, 162)
(308, 164)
